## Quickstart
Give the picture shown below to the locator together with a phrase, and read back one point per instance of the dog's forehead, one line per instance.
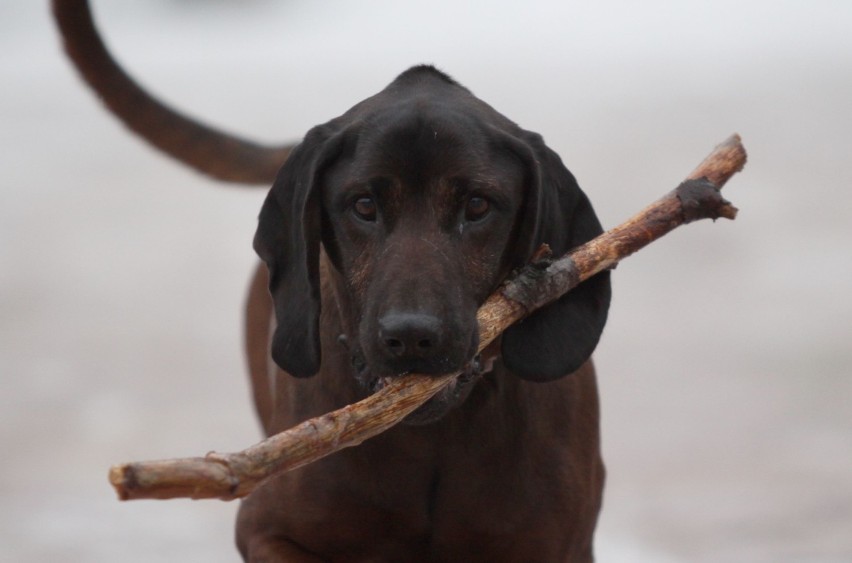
(425, 137)
(423, 130)
(421, 136)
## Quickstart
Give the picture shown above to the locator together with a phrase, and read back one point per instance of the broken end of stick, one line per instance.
(121, 477)
(734, 141)
(728, 158)
(194, 478)
(739, 156)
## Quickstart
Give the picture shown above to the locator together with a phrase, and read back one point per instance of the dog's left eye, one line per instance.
(365, 208)
(476, 208)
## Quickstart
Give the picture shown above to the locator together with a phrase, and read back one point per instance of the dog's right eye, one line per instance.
(365, 208)
(477, 208)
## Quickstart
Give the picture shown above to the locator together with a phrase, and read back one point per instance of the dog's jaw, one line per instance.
(448, 398)
(445, 400)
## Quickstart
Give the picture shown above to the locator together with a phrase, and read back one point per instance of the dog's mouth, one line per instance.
(452, 395)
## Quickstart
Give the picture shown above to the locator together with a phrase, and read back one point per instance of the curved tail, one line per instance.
(208, 150)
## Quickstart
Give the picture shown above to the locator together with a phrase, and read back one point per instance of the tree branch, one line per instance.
(232, 475)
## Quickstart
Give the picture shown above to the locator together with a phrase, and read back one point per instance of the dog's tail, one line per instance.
(212, 152)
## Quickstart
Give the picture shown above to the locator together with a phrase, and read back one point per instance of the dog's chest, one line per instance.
(453, 502)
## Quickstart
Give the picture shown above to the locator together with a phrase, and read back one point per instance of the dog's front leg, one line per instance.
(266, 549)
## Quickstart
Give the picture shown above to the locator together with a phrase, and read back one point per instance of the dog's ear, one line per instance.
(288, 239)
(557, 339)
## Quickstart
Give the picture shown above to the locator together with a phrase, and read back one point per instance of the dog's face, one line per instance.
(421, 209)
(424, 198)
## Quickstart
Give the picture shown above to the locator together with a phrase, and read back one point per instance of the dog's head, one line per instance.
(424, 198)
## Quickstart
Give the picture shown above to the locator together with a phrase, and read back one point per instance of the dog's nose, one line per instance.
(410, 335)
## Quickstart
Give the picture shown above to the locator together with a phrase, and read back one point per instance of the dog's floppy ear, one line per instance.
(557, 339)
(288, 239)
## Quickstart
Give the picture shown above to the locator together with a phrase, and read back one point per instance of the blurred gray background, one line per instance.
(725, 367)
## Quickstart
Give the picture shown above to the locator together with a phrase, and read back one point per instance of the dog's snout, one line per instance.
(410, 335)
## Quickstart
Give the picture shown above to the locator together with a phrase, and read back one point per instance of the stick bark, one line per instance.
(233, 475)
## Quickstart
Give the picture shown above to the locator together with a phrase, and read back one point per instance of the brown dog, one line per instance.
(384, 231)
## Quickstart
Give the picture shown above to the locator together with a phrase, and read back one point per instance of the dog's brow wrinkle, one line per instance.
(436, 247)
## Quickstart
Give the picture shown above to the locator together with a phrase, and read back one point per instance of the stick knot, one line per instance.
(701, 199)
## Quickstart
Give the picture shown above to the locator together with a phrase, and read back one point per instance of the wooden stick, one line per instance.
(233, 475)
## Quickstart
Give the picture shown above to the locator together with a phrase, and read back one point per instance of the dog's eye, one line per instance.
(365, 208)
(476, 209)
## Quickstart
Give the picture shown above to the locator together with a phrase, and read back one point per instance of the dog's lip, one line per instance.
(433, 409)
(469, 373)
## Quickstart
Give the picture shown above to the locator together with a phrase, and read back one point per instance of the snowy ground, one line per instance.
(725, 368)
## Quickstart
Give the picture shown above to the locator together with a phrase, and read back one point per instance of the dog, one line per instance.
(383, 232)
